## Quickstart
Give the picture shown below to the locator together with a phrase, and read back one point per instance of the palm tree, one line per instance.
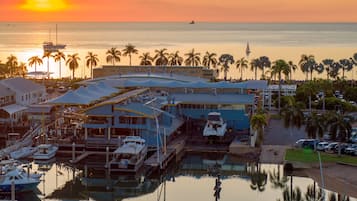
(72, 62)
(47, 55)
(340, 128)
(11, 63)
(161, 57)
(254, 65)
(175, 59)
(210, 59)
(113, 55)
(346, 64)
(292, 195)
(258, 122)
(242, 64)
(225, 60)
(146, 59)
(276, 181)
(58, 57)
(328, 66)
(91, 60)
(258, 179)
(34, 61)
(309, 89)
(264, 62)
(292, 115)
(315, 126)
(304, 63)
(310, 194)
(21, 69)
(292, 67)
(280, 66)
(129, 50)
(193, 58)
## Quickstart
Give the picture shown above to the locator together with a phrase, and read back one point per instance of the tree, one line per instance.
(258, 122)
(34, 61)
(264, 62)
(311, 195)
(11, 64)
(210, 59)
(258, 179)
(129, 50)
(47, 55)
(328, 66)
(346, 65)
(280, 66)
(242, 64)
(315, 126)
(293, 68)
(292, 114)
(59, 56)
(225, 60)
(146, 59)
(340, 128)
(254, 65)
(193, 58)
(72, 62)
(21, 70)
(175, 59)
(292, 195)
(305, 62)
(113, 55)
(308, 89)
(91, 60)
(276, 180)
(161, 57)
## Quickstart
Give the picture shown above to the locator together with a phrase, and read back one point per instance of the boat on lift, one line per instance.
(215, 126)
(45, 152)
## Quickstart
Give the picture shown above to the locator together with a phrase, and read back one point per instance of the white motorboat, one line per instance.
(45, 152)
(21, 180)
(130, 156)
(215, 125)
(24, 152)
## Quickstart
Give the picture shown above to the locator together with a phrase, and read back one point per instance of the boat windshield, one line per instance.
(214, 117)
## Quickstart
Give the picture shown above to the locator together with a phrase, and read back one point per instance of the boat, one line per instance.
(215, 125)
(49, 46)
(24, 152)
(130, 156)
(21, 180)
(192, 22)
(45, 152)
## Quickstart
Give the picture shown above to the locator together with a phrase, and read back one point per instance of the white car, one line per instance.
(331, 147)
(321, 146)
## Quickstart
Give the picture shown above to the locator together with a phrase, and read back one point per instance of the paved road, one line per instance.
(277, 134)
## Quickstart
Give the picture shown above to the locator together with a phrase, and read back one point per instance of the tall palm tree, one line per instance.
(210, 59)
(129, 50)
(146, 59)
(34, 61)
(91, 61)
(315, 126)
(47, 55)
(242, 64)
(11, 63)
(193, 58)
(328, 66)
(264, 62)
(58, 57)
(258, 122)
(292, 114)
(175, 59)
(113, 55)
(225, 60)
(293, 68)
(346, 65)
(254, 65)
(72, 62)
(161, 57)
(280, 66)
(340, 128)
(305, 63)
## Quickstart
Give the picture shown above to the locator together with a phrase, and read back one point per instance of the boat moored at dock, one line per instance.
(45, 152)
(215, 125)
(130, 156)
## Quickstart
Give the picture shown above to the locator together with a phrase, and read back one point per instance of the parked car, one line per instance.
(331, 147)
(321, 146)
(306, 143)
(352, 149)
(343, 148)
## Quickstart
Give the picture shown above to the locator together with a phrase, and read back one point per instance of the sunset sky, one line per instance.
(180, 10)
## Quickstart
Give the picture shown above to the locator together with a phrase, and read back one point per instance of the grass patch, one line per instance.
(309, 156)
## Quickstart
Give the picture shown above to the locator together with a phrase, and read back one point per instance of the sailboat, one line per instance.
(49, 46)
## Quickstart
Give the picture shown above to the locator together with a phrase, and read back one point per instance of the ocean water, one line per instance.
(277, 41)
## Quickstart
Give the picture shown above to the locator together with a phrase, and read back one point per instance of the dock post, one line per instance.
(12, 190)
(106, 157)
(73, 151)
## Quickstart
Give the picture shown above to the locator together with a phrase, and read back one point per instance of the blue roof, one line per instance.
(137, 108)
(214, 99)
(70, 98)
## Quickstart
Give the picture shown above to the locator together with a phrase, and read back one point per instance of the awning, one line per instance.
(14, 108)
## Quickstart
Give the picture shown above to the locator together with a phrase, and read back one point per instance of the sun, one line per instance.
(44, 5)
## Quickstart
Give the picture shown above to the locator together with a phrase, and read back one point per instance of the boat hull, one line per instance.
(19, 187)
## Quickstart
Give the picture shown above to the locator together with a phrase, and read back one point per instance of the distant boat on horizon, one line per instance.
(192, 22)
(49, 46)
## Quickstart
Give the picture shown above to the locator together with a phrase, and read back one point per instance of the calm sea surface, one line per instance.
(190, 179)
(286, 41)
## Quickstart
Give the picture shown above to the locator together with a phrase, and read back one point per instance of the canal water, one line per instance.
(195, 177)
